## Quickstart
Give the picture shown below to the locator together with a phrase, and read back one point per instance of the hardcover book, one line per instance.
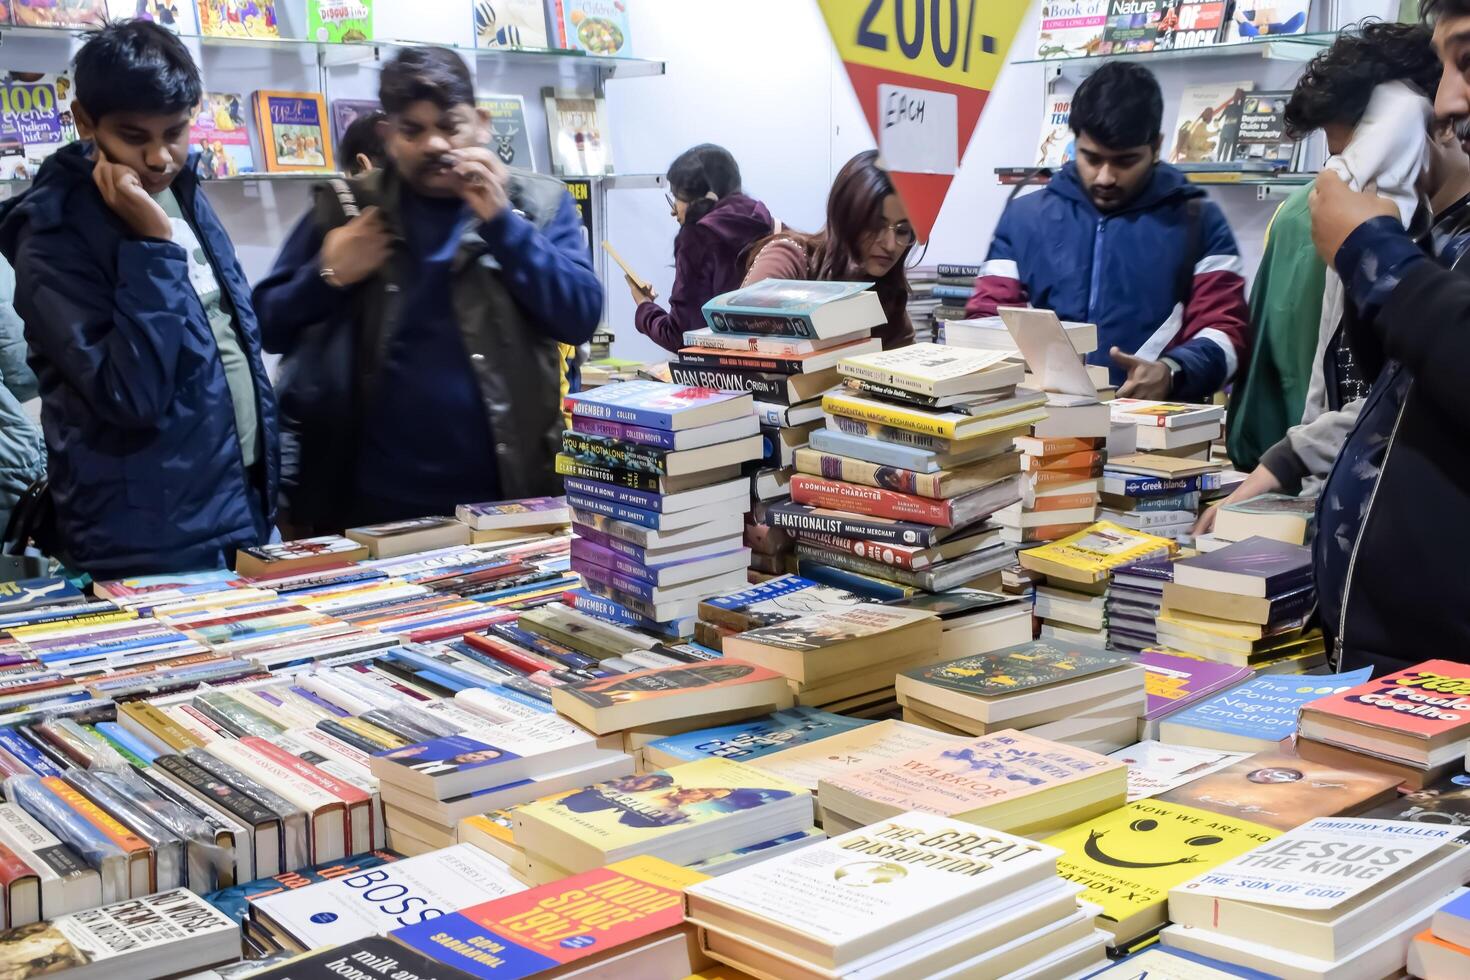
(345, 112)
(568, 924)
(379, 900)
(1057, 146)
(580, 143)
(800, 309)
(41, 13)
(835, 904)
(751, 740)
(221, 137)
(1129, 858)
(1209, 114)
(598, 27)
(1020, 668)
(511, 24)
(1261, 138)
(1198, 23)
(338, 21)
(1255, 715)
(1155, 768)
(1280, 790)
(293, 130)
(1135, 25)
(228, 18)
(510, 137)
(1071, 28)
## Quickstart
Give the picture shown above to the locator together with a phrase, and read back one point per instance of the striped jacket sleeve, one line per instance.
(999, 283)
(1215, 339)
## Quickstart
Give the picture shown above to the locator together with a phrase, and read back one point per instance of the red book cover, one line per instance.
(13, 869)
(345, 792)
(896, 555)
(1429, 700)
(433, 634)
(851, 497)
(1050, 532)
(521, 660)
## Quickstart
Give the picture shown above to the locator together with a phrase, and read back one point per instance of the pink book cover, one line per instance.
(1176, 682)
(964, 776)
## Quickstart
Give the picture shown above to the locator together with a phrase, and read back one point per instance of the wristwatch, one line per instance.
(1174, 370)
(329, 276)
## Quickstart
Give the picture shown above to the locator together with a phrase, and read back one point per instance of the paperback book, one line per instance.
(511, 24)
(221, 137)
(509, 135)
(751, 740)
(580, 143)
(1280, 789)
(293, 131)
(1254, 715)
(1071, 28)
(339, 21)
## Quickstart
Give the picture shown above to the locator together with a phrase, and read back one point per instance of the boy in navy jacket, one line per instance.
(1119, 239)
(158, 415)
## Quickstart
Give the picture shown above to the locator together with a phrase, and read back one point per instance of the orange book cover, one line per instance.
(1065, 501)
(1057, 445)
(1050, 532)
(1041, 478)
(1428, 700)
(1087, 460)
(293, 131)
(97, 817)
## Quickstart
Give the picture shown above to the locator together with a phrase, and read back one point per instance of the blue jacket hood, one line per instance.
(1165, 184)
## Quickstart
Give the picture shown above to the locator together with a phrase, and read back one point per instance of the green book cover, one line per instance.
(1019, 668)
(335, 21)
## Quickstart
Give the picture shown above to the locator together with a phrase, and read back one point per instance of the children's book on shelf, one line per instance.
(1058, 144)
(178, 16)
(510, 138)
(345, 112)
(232, 18)
(510, 24)
(339, 21)
(597, 27)
(1262, 137)
(1252, 20)
(1071, 28)
(293, 131)
(35, 121)
(221, 136)
(1208, 118)
(59, 13)
(577, 128)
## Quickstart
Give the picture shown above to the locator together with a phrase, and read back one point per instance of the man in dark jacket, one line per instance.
(158, 415)
(1119, 239)
(448, 297)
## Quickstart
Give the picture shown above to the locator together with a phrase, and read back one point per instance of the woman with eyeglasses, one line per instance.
(867, 238)
(718, 224)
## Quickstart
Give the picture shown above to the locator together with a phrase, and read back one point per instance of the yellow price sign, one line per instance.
(962, 42)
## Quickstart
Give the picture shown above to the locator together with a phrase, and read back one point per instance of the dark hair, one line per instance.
(425, 74)
(1432, 10)
(1339, 81)
(363, 136)
(135, 66)
(1119, 106)
(699, 172)
(854, 210)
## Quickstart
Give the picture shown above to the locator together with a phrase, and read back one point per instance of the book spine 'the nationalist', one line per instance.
(847, 525)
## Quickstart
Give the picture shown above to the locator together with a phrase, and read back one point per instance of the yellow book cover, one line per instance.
(293, 131)
(1128, 859)
(39, 630)
(1091, 553)
(945, 425)
(160, 725)
(631, 810)
(373, 733)
(923, 368)
(1209, 624)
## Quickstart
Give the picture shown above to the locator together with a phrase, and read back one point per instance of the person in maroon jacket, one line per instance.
(717, 225)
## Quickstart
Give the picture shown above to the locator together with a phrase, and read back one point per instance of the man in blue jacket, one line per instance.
(446, 300)
(158, 415)
(1119, 239)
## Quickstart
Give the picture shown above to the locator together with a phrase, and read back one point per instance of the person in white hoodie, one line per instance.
(1370, 94)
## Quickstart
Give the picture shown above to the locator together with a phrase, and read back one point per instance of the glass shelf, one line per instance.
(1290, 47)
(358, 52)
(1011, 176)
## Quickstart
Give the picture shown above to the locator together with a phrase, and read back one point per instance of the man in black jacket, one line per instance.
(1392, 521)
(443, 306)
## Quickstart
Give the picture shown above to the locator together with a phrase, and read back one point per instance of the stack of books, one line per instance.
(844, 661)
(781, 342)
(953, 287)
(1442, 952)
(1254, 715)
(990, 333)
(915, 457)
(810, 763)
(774, 601)
(653, 478)
(1072, 604)
(1246, 604)
(973, 620)
(684, 814)
(1135, 595)
(748, 741)
(504, 520)
(922, 301)
(913, 895)
(428, 787)
(1281, 908)
(1172, 428)
(1175, 682)
(642, 706)
(1085, 697)
(1007, 780)
(1157, 492)
(1411, 724)
(1271, 515)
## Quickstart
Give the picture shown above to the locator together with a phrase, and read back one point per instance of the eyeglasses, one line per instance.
(903, 233)
(673, 205)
